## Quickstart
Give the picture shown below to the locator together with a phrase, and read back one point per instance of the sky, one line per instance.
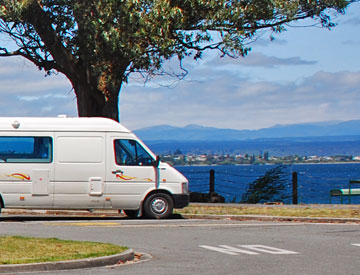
(307, 74)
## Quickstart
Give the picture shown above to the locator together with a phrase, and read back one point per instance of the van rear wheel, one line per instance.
(158, 206)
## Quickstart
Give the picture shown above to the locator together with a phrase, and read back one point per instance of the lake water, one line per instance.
(314, 180)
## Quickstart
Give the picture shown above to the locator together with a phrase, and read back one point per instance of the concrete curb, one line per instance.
(128, 255)
(73, 214)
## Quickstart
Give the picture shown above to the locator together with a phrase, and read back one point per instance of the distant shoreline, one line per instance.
(340, 162)
(275, 164)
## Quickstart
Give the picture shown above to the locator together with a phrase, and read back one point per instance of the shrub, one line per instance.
(272, 187)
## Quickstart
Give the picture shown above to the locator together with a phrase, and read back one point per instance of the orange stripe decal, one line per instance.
(127, 178)
(20, 176)
(122, 177)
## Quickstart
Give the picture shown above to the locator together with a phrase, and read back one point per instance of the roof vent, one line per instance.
(16, 124)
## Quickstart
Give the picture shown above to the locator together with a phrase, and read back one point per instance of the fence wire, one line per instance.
(232, 186)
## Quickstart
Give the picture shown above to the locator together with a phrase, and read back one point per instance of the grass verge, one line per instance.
(24, 250)
(270, 211)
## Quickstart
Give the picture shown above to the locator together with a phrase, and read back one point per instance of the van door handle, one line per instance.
(117, 172)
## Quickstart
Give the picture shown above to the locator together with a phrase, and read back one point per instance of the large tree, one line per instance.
(97, 44)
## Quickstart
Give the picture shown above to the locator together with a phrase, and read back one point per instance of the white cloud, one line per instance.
(24, 91)
(225, 101)
(258, 59)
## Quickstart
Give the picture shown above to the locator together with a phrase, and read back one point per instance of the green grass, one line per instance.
(23, 250)
(270, 211)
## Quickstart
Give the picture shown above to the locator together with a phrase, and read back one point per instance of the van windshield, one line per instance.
(130, 152)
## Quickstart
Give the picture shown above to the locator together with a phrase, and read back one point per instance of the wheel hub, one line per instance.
(158, 206)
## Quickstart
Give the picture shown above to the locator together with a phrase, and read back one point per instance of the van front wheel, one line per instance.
(158, 206)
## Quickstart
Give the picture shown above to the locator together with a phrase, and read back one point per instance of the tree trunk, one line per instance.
(92, 102)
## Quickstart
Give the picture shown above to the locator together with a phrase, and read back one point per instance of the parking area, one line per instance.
(190, 246)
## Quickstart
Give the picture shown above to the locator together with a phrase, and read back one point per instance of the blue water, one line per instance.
(314, 180)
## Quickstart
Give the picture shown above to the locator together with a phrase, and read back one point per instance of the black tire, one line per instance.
(132, 213)
(158, 206)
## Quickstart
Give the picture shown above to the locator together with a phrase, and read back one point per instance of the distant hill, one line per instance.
(197, 132)
(275, 147)
(322, 139)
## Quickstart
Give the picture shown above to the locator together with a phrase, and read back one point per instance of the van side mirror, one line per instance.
(156, 162)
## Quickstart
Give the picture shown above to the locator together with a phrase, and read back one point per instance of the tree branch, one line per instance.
(41, 63)
(36, 16)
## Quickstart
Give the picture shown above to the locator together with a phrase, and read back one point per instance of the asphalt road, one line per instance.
(181, 246)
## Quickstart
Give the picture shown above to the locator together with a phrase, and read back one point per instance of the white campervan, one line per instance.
(84, 163)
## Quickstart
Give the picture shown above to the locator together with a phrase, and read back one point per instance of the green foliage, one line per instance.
(97, 44)
(141, 34)
(269, 188)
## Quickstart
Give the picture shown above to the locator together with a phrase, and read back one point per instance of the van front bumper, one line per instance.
(181, 201)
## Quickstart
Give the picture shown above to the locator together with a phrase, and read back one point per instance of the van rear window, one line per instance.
(25, 149)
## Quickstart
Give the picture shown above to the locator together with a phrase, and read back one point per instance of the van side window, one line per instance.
(25, 149)
(129, 152)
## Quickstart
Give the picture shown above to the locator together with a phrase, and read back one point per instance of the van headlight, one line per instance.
(185, 187)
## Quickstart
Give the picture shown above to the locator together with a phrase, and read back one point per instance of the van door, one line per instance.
(79, 170)
(27, 170)
(130, 174)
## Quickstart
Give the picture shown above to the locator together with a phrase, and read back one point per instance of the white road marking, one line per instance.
(269, 249)
(250, 249)
(356, 244)
(225, 249)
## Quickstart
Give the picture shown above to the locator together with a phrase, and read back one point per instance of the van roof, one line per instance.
(61, 123)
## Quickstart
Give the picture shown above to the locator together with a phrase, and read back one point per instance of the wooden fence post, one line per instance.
(212, 182)
(294, 188)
